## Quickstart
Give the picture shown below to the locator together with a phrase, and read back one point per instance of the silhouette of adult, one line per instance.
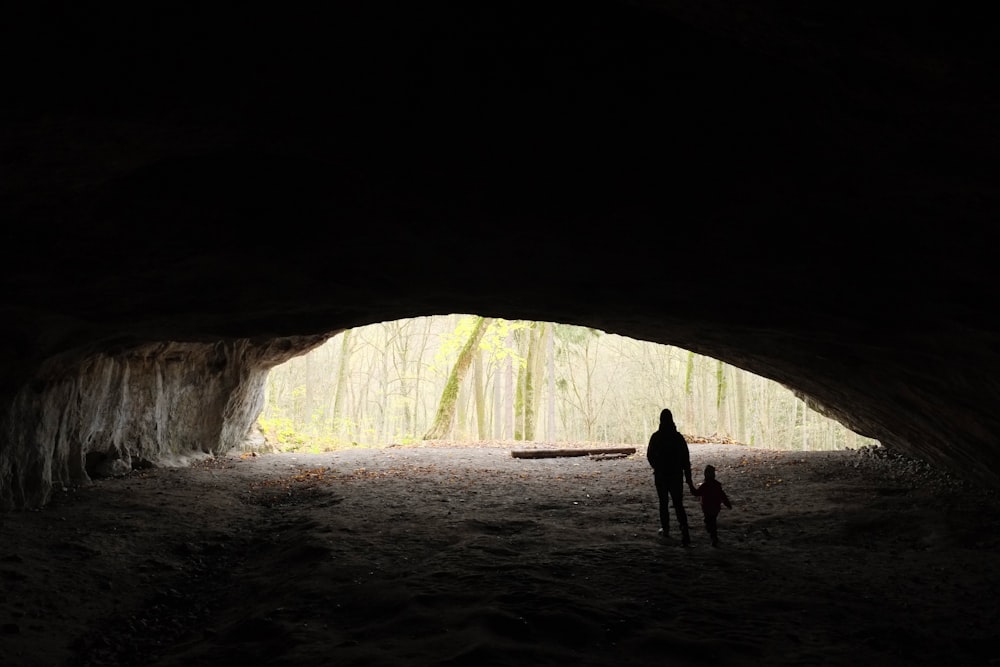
(670, 459)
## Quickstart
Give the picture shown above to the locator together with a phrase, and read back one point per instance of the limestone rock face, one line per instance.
(804, 191)
(157, 404)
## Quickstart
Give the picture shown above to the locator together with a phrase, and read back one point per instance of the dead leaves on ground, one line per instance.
(308, 483)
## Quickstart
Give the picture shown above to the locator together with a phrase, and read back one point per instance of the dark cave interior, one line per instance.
(192, 194)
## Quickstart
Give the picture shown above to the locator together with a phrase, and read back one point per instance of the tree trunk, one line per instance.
(537, 374)
(523, 374)
(460, 424)
(449, 397)
(721, 401)
(309, 426)
(550, 430)
(805, 426)
(705, 382)
(338, 393)
(498, 401)
(477, 378)
(689, 390)
(740, 382)
(508, 395)
(526, 400)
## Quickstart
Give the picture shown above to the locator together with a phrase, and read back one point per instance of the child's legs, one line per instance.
(711, 524)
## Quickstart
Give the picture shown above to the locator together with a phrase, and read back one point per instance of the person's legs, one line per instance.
(677, 498)
(663, 493)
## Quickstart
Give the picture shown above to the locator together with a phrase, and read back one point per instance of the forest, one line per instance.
(470, 378)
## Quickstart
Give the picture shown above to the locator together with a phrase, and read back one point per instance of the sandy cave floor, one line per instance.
(465, 555)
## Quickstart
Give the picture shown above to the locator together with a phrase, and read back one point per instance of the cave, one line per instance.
(193, 195)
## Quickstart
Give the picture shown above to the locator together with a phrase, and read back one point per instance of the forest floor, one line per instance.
(467, 556)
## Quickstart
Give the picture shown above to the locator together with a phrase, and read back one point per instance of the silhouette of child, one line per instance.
(712, 499)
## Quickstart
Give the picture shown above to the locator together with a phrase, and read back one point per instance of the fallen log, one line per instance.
(605, 457)
(553, 453)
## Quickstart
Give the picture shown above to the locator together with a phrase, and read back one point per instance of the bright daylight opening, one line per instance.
(467, 379)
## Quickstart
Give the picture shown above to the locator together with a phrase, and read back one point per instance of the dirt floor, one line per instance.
(452, 555)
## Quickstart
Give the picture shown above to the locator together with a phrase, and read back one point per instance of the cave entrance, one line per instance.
(470, 378)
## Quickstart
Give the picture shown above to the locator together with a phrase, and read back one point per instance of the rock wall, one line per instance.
(156, 404)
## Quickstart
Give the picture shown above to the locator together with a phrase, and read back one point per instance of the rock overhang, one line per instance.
(808, 209)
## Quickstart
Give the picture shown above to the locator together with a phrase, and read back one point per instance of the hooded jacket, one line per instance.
(668, 452)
